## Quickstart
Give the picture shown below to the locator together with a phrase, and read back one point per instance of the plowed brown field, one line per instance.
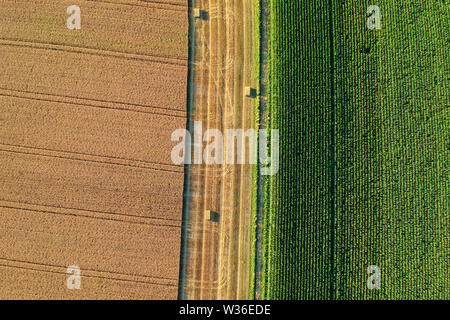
(216, 255)
(86, 176)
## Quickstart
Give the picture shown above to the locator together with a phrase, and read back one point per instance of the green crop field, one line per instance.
(364, 131)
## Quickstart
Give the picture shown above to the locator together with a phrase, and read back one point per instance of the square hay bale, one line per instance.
(197, 13)
(212, 216)
(250, 92)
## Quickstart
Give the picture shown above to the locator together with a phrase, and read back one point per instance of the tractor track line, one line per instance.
(92, 51)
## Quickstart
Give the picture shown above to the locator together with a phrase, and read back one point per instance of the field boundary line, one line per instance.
(38, 96)
(92, 51)
(90, 273)
(84, 214)
(187, 187)
(83, 157)
(263, 49)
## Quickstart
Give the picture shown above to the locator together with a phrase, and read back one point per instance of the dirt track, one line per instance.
(86, 176)
(217, 254)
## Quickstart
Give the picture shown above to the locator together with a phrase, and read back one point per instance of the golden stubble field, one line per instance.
(86, 177)
(216, 256)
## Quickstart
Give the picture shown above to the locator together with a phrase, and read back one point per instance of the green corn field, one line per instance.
(363, 117)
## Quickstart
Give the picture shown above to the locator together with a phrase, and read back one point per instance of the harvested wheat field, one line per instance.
(86, 177)
(217, 255)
